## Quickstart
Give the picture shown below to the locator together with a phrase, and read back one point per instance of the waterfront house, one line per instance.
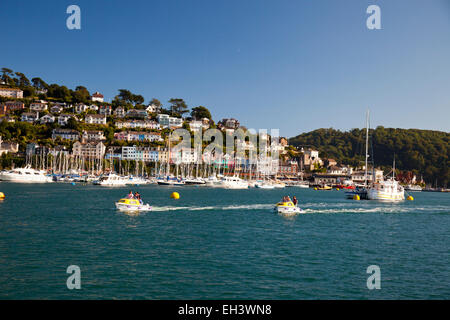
(288, 168)
(38, 106)
(311, 159)
(93, 135)
(183, 155)
(80, 108)
(137, 113)
(329, 179)
(166, 121)
(95, 119)
(153, 108)
(359, 177)
(48, 118)
(11, 93)
(8, 147)
(97, 96)
(65, 134)
(9, 106)
(56, 109)
(91, 150)
(29, 117)
(137, 136)
(143, 124)
(230, 123)
(113, 153)
(63, 119)
(119, 112)
(105, 109)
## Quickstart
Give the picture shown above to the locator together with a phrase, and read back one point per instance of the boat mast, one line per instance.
(367, 148)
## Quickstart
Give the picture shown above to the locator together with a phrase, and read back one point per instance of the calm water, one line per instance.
(220, 244)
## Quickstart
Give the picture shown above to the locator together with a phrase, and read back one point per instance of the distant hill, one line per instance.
(424, 152)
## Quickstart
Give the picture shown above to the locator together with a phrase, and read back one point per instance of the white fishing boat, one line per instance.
(25, 175)
(233, 183)
(111, 180)
(389, 190)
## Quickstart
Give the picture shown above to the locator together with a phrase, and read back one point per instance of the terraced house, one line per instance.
(138, 136)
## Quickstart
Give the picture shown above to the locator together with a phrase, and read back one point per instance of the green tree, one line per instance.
(200, 112)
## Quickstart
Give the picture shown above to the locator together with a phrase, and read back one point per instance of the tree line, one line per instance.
(425, 153)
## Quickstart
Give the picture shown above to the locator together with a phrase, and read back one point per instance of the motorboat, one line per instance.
(126, 204)
(233, 183)
(111, 180)
(264, 185)
(170, 181)
(413, 187)
(25, 175)
(194, 181)
(133, 180)
(287, 208)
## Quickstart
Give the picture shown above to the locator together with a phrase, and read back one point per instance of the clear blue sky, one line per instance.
(295, 65)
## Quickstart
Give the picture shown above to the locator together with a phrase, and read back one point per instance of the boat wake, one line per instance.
(323, 208)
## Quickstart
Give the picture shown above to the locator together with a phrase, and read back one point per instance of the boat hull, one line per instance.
(134, 208)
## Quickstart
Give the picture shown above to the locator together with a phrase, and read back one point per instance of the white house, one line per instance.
(93, 150)
(119, 112)
(97, 96)
(29, 117)
(48, 118)
(80, 108)
(66, 134)
(152, 108)
(95, 119)
(138, 124)
(11, 93)
(63, 119)
(38, 106)
(166, 121)
(56, 109)
(93, 135)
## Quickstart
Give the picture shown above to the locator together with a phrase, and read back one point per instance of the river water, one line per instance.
(219, 244)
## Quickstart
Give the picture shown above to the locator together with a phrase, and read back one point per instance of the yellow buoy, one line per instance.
(410, 198)
(175, 195)
(2, 196)
(337, 189)
(315, 189)
(356, 197)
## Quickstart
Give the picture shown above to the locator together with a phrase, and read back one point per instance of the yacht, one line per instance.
(134, 180)
(234, 183)
(25, 175)
(111, 180)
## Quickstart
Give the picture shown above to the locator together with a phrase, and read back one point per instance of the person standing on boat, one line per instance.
(137, 196)
(294, 200)
(130, 195)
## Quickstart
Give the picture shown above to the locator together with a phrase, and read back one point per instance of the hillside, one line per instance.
(424, 152)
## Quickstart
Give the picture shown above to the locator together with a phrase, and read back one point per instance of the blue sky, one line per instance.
(294, 65)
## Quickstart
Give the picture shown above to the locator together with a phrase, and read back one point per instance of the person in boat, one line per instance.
(130, 195)
(137, 196)
(294, 200)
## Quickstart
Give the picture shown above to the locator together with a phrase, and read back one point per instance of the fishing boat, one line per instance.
(25, 175)
(287, 208)
(389, 190)
(111, 180)
(126, 204)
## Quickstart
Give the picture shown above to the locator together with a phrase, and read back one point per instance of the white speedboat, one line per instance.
(136, 180)
(287, 208)
(25, 175)
(233, 183)
(213, 181)
(413, 187)
(264, 185)
(170, 181)
(194, 181)
(111, 180)
(126, 204)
